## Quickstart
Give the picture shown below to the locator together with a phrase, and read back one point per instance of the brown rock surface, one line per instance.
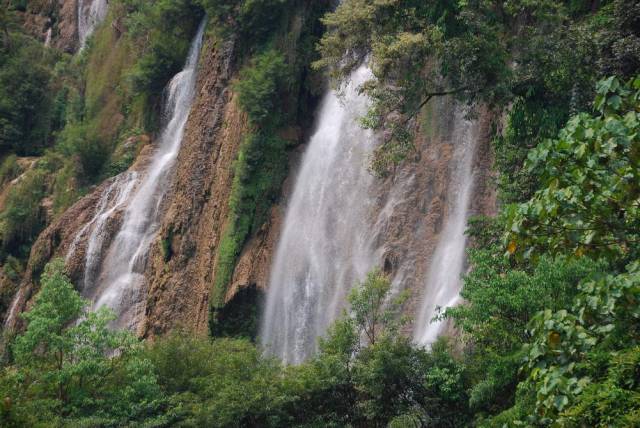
(178, 288)
(57, 16)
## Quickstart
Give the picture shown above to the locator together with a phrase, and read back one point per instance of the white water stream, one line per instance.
(113, 275)
(334, 230)
(326, 241)
(442, 286)
(90, 14)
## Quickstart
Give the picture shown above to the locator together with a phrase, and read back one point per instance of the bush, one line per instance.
(253, 19)
(9, 169)
(81, 140)
(71, 369)
(166, 28)
(260, 85)
(259, 171)
(23, 217)
(25, 97)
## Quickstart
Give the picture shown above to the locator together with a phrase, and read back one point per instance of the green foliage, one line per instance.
(563, 358)
(588, 202)
(66, 372)
(9, 169)
(581, 316)
(240, 317)
(614, 400)
(22, 217)
(501, 301)
(370, 310)
(259, 171)
(62, 366)
(418, 50)
(217, 383)
(83, 142)
(167, 250)
(167, 27)
(529, 122)
(372, 382)
(261, 166)
(65, 189)
(260, 87)
(247, 19)
(503, 298)
(25, 97)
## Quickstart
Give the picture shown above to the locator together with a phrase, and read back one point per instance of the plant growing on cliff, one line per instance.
(260, 86)
(246, 19)
(25, 96)
(23, 218)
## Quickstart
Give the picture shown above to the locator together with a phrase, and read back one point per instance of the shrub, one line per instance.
(259, 87)
(259, 171)
(25, 97)
(166, 28)
(81, 140)
(71, 365)
(253, 19)
(9, 169)
(23, 217)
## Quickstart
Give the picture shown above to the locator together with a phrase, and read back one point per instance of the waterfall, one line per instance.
(90, 14)
(112, 200)
(47, 37)
(113, 276)
(326, 242)
(341, 222)
(443, 281)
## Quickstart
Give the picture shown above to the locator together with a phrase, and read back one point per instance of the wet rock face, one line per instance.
(426, 190)
(196, 205)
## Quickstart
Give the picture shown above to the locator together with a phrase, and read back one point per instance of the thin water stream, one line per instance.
(90, 14)
(113, 273)
(443, 281)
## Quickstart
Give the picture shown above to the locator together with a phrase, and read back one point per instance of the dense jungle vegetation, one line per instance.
(549, 331)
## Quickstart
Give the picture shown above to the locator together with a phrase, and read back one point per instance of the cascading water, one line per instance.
(90, 14)
(341, 222)
(113, 276)
(112, 201)
(442, 286)
(326, 243)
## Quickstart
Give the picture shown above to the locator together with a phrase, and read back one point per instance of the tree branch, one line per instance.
(428, 98)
